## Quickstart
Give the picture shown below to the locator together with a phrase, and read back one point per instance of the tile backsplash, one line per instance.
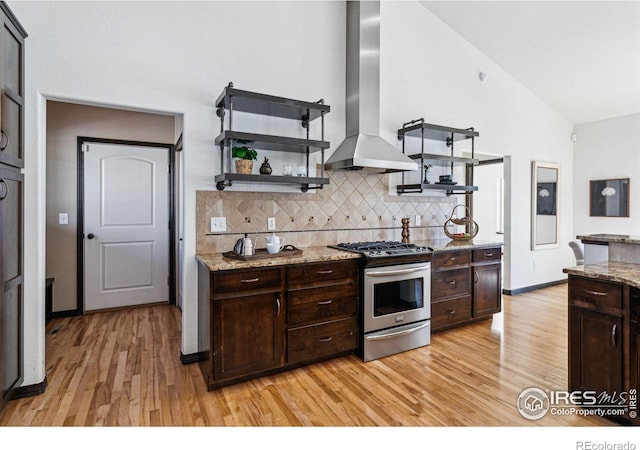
(353, 207)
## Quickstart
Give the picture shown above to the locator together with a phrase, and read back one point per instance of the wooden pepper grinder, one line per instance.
(405, 230)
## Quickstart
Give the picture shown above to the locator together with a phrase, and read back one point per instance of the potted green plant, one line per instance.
(426, 173)
(246, 156)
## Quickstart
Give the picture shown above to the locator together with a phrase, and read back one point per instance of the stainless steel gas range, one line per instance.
(395, 308)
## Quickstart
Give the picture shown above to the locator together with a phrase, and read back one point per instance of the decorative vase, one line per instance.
(265, 168)
(244, 166)
(426, 178)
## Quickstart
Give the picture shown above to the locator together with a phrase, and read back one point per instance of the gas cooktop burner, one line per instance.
(382, 248)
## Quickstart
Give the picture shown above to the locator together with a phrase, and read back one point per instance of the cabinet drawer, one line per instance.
(242, 281)
(322, 304)
(450, 283)
(307, 274)
(448, 259)
(325, 339)
(595, 292)
(450, 312)
(487, 255)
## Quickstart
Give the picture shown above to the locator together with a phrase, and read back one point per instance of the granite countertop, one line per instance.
(608, 238)
(448, 244)
(217, 262)
(620, 272)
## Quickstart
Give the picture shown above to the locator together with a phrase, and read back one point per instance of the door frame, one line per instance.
(80, 213)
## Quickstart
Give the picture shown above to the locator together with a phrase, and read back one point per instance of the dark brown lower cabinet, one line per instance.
(248, 333)
(487, 290)
(466, 286)
(596, 351)
(604, 340)
(253, 322)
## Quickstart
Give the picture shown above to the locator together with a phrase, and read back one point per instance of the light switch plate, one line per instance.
(218, 224)
(63, 219)
(271, 224)
(418, 220)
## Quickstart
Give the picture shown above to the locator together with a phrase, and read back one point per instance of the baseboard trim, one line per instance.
(63, 314)
(532, 288)
(191, 358)
(30, 390)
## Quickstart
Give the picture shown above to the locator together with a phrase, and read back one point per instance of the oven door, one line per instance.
(396, 295)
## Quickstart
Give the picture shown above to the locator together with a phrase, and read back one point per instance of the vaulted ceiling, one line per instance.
(581, 57)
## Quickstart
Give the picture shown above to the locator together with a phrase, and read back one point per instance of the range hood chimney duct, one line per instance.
(363, 149)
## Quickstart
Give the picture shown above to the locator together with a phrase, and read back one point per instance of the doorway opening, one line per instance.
(67, 121)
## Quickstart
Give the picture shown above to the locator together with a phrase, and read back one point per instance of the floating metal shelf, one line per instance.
(427, 131)
(271, 142)
(269, 105)
(232, 100)
(306, 183)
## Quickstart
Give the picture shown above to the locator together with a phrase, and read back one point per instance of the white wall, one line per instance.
(607, 149)
(175, 57)
(429, 71)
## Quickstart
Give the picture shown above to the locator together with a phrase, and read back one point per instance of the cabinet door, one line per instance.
(487, 295)
(248, 334)
(595, 351)
(11, 281)
(11, 95)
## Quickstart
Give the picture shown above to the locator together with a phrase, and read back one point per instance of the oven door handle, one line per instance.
(396, 334)
(390, 273)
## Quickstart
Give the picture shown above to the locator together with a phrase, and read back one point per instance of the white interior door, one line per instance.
(126, 225)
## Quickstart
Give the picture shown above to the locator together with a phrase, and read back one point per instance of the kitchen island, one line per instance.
(604, 333)
(610, 247)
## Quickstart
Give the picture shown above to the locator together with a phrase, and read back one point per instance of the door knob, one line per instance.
(91, 235)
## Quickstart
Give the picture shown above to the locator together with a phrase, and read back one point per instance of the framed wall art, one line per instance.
(609, 198)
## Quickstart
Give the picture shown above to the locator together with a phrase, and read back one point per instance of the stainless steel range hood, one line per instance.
(363, 149)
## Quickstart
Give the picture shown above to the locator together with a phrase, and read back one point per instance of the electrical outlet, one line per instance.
(271, 224)
(418, 220)
(63, 219)
(218, 224)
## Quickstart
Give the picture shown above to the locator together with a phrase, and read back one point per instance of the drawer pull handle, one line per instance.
(278, 304)
(5, 189)
(4, 140)
(451, 312)
(452, 259)
(380, 337)
(488, 255)
(325, 302)
(452, 282)
(598, 293)
(325, 272)
(325, 339)
(614, 335)
(252, 280)
(475, 276)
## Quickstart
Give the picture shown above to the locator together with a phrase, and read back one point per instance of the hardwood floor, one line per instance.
(123, 368)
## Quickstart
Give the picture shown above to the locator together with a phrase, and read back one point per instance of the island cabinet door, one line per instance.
(248, 334)
(595, 351)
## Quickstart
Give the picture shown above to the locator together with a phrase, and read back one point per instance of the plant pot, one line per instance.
(244, 166)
